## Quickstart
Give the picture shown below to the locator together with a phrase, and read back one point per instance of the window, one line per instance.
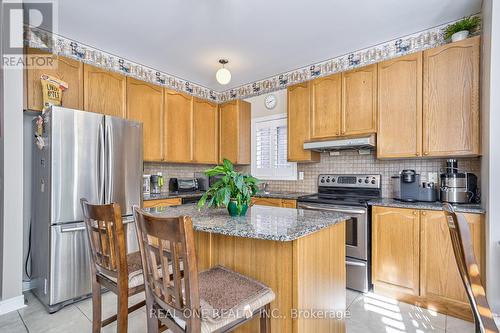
(269, 149)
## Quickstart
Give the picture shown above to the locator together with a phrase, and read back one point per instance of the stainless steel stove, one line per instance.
(350, 194)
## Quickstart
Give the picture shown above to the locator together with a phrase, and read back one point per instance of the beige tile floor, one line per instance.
(368, 313)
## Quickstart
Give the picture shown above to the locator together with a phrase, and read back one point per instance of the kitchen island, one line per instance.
(299, 253)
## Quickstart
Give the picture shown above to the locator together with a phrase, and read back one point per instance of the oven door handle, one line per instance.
(354, 263)
(338, 210)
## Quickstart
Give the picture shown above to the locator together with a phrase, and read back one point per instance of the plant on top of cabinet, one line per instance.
(460, 30)
(359, 101)
(234, 131)
(178, 127)
(451, 99)
(299, 123)
(68, 70)
(145, 104)
(104, 91)
(400, 107)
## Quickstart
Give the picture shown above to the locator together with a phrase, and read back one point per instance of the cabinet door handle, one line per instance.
(414, 212)
(426, 153)
(424, 213)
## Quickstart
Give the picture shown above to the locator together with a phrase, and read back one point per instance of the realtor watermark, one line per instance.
(17, 17)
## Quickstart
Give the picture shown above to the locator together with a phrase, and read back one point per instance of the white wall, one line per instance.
(11, 177)
(260, 110)
(490, 106)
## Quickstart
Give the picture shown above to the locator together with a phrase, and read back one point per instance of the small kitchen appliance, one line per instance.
(458, 186)
(349, 194)
(156, 183)
(183, 185)
(406, 187)
(146, 184)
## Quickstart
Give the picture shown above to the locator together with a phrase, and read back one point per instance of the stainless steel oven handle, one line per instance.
(338, 210)
(354, 263)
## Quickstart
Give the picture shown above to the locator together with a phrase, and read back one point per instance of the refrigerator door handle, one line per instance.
(109, 162)
(101, 161)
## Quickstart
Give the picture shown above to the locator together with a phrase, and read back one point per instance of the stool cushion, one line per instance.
(227, 296)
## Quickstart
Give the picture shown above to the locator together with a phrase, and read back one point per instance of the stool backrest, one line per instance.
(168, 243)
(106, 236)
(469, 270)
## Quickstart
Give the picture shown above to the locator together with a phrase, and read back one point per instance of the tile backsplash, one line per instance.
(352, 162)
(347, 162)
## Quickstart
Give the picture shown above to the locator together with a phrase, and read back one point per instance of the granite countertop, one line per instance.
(261, 222)
(171, 195)
(281, 195)
(460, 208)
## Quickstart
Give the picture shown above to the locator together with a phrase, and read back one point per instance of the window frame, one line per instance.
(291, 173)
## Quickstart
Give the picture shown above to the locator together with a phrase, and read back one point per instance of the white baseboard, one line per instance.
(12, 304)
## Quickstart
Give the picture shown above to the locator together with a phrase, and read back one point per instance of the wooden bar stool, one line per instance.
(216, 300)
(111, 267)
(469, 270)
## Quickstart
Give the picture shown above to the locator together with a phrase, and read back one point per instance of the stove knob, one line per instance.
(322, 180)
(373, 181)
(333, 180)
(328, 180)
(360, 181)
(367, 181)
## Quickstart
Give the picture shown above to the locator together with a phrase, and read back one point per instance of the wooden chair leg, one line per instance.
(265, 319)
(122, 310)
(153, 322)
(96, 306)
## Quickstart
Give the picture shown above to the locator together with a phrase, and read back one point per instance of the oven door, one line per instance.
(356, 227)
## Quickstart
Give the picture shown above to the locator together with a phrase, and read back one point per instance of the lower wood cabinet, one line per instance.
(274, 202)
(413, 259)
(162, 202)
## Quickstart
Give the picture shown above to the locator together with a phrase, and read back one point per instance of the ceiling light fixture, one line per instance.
(223, 75)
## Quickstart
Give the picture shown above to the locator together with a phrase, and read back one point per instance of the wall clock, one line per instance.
(270, 102)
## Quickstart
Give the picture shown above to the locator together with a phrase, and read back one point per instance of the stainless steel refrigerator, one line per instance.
(78, 155)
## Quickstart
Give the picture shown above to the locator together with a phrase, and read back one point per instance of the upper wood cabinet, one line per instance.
(206, 132)
(359, 101)
(178, 127)
(104, 91)
(234, 132)
(145, 104)
(451, 99)
(326, 98)
(440, 280)
(68, 70)
(400, 107)
(395, 249)
(299, 123)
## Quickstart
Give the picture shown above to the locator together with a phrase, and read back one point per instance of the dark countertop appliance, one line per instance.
(458, 186)
(181, 185)
(406, 187)
(349, 194)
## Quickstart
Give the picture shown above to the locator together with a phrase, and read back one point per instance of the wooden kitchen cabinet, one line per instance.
(104, 91)
(274, 202)
(413, 259)
(440, 282)
(162, 202)
(68, 70)
(326, 99)
(178, 127)
(299, 123)
(359, 101)
(234, 132)
(205, 132)
(400, 107)
(395, 249)
(145, 104)
(451, 99)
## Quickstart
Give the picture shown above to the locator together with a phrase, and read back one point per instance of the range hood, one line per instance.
(364, 142)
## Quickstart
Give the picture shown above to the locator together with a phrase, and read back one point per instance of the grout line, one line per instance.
(83, 313)
(22, 320)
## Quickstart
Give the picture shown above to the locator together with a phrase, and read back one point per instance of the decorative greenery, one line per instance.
(233, 186)
(467, 23)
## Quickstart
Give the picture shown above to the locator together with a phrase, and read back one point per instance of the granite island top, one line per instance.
(437, 205)
(260, 222)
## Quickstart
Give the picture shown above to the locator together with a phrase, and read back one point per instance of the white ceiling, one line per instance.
(260, 38)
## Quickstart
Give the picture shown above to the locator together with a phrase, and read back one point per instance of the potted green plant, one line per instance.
(461, 29)
(234, 190)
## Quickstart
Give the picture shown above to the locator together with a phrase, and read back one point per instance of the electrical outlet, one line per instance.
(301, 175)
